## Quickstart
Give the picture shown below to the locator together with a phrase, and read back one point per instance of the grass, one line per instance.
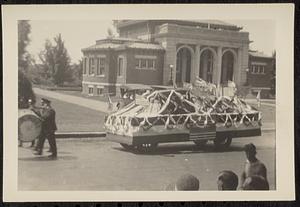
(71, 117)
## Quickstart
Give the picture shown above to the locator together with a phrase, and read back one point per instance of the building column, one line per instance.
(196, 68)
(218, 68)
(238, 67)
(169, 59)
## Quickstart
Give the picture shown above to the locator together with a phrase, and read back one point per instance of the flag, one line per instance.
(258, 98)
(110, 103)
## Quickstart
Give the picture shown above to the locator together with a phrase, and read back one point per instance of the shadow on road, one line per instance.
(182, 149)
(46, 158)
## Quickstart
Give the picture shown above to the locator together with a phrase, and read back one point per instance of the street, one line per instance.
(98, 164)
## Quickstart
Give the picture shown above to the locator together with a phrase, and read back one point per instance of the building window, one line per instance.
(144, 63)
(137, 63)
(262, 70)
(91, 90)
(100, 66)
(91, 66)
(258, 69)
(120, 66)
(99, 91)
(151, 64)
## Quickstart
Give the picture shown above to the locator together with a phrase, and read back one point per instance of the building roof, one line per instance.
(205, 23)
(122, 43)
(150, 46)
(259, 54)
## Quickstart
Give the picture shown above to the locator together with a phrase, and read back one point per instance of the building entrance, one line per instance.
(227, 67)
(183, 66)
(206, 65)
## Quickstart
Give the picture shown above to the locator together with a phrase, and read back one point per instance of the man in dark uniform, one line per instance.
(48, 128)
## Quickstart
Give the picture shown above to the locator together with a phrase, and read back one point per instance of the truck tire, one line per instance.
(222, 143)
(200, 143)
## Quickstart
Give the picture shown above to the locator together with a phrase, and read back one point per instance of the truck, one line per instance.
(178, 115)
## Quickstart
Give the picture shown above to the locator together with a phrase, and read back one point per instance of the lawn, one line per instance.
(71, 117)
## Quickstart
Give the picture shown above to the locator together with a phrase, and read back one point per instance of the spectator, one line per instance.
(227, 180)
(255, 182)
(253, 166)
(186, 182)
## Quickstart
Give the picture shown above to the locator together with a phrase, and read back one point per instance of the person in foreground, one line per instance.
(255, 182)
(186, 182)
(227, 180)
(253, 166)
(48, 129)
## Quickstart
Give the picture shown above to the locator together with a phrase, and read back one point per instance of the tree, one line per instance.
(25, 91)
(56, 61)
(24, 30)
(76, 69)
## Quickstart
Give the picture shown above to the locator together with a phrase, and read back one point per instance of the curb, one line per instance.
(62, 135)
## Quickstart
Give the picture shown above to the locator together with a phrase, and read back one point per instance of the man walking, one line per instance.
(48, 129)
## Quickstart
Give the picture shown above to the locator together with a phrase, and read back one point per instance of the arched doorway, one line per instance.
(206, 65)
(183, 66)
(227, 67)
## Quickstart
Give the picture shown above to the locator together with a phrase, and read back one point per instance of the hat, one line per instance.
(250, 148)
(186, 182)
(45, 100)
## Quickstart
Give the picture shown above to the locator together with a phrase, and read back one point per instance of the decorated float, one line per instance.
(194, 113)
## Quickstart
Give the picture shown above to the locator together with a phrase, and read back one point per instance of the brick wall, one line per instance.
(145, 76)
(260, 80)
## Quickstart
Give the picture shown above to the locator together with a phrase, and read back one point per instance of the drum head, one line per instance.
(29, 127)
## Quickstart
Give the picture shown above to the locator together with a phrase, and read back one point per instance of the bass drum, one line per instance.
(29, 125)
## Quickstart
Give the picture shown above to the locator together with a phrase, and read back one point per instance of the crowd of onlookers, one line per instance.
(254, 176)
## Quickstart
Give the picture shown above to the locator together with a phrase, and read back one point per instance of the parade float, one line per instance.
(193, 113)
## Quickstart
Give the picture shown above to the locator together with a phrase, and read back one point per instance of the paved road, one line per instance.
(98, 164)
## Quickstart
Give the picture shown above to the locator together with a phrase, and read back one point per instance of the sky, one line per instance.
(82, 34)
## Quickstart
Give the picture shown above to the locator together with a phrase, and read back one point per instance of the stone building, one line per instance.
(154, 52)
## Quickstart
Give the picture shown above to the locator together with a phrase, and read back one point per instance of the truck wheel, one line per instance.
(222, 143)
(126, 146)
(200, 143)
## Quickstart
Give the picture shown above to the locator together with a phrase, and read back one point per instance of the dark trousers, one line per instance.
(51, 139)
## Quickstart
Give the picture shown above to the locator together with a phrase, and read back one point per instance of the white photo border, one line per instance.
(283, 14)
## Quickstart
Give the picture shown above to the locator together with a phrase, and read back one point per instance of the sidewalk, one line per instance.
(91, 104)
(263, 102)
